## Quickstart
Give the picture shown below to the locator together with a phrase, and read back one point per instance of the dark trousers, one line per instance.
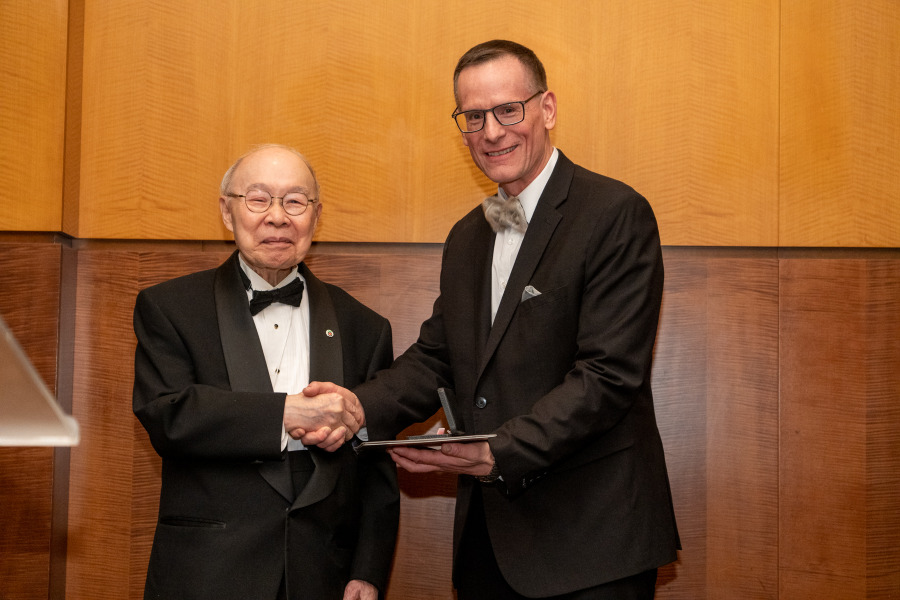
(479, 577)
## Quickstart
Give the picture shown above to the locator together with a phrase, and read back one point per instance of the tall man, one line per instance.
(544, 327)
(222, 358)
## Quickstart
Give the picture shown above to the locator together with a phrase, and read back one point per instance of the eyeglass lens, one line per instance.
(259, 201)
(507, 114)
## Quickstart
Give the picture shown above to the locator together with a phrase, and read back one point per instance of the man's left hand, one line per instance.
(462, 459)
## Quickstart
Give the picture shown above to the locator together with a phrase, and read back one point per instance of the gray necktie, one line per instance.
(504, 214)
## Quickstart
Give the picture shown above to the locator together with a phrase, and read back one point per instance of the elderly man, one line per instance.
(545, 324)
(222, 359)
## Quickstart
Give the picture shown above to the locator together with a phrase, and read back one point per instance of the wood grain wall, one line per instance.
(36, 304)
(759, 131)
(32, 113)
(765, 123)
(777, 385)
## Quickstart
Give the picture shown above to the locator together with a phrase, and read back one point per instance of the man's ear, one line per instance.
(548, 109)
(318, 214)
(226, 213)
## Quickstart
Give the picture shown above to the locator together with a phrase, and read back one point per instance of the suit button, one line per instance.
(480, 402)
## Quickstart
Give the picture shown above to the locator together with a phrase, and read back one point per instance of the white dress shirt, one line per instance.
(508, 242)
(284, 335)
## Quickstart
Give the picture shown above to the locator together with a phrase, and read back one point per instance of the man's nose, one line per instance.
(492, 127)
(276, 214)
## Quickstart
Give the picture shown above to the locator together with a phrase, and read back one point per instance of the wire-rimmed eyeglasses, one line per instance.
(259, 201)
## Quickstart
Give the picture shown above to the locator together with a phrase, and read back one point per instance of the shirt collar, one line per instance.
(260, 284)
(529, 197)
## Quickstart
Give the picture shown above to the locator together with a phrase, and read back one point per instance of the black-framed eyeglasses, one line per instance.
(259, 201)
(470, 121)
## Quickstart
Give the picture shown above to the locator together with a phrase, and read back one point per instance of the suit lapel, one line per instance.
(325, 364)
(326, 357)
(482, 266)
(543, 223)
(244, 358)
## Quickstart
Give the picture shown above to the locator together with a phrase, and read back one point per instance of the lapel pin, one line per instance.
(329, 333)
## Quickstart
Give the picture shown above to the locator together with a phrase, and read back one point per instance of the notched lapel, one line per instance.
(481, 266)
(543, 223)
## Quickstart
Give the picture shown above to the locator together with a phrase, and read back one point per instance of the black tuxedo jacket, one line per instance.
(229, 525)
(562, 378)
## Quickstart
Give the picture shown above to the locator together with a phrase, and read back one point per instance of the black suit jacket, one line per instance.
(562, 378)
(229, 525)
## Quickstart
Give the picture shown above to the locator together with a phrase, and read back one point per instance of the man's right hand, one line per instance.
(324, 415)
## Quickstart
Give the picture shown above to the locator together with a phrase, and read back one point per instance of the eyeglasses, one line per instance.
(470, 121)
(259, 201)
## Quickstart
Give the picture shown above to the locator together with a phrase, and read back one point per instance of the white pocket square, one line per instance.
(529, 292)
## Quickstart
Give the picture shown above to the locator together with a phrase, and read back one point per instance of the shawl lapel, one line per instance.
(325, 364)
(543, 223)
(244, 358)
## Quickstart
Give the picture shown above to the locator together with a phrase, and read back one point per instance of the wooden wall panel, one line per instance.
(680, 377)
(32, 113)
(72, 159)
(100, 496)
(745, 124)
(155, 118)
(742, 425)
(882, 372)
(823, 492)
(26, 474)
(680, 101)
(777, 385)
(717, 406)
(840, 127)
(839, 526)
(115, 472)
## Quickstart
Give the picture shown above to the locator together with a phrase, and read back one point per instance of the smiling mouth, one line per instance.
(502, 152)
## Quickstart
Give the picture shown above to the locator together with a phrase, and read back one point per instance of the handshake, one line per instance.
(323, 414)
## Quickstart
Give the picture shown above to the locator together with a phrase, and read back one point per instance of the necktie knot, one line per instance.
(290, 294)
(504, 214)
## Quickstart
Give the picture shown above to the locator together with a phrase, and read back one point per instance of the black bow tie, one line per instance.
(291, 294)
(504, 214)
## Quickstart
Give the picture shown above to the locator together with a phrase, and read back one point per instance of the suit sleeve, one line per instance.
(192, 415)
